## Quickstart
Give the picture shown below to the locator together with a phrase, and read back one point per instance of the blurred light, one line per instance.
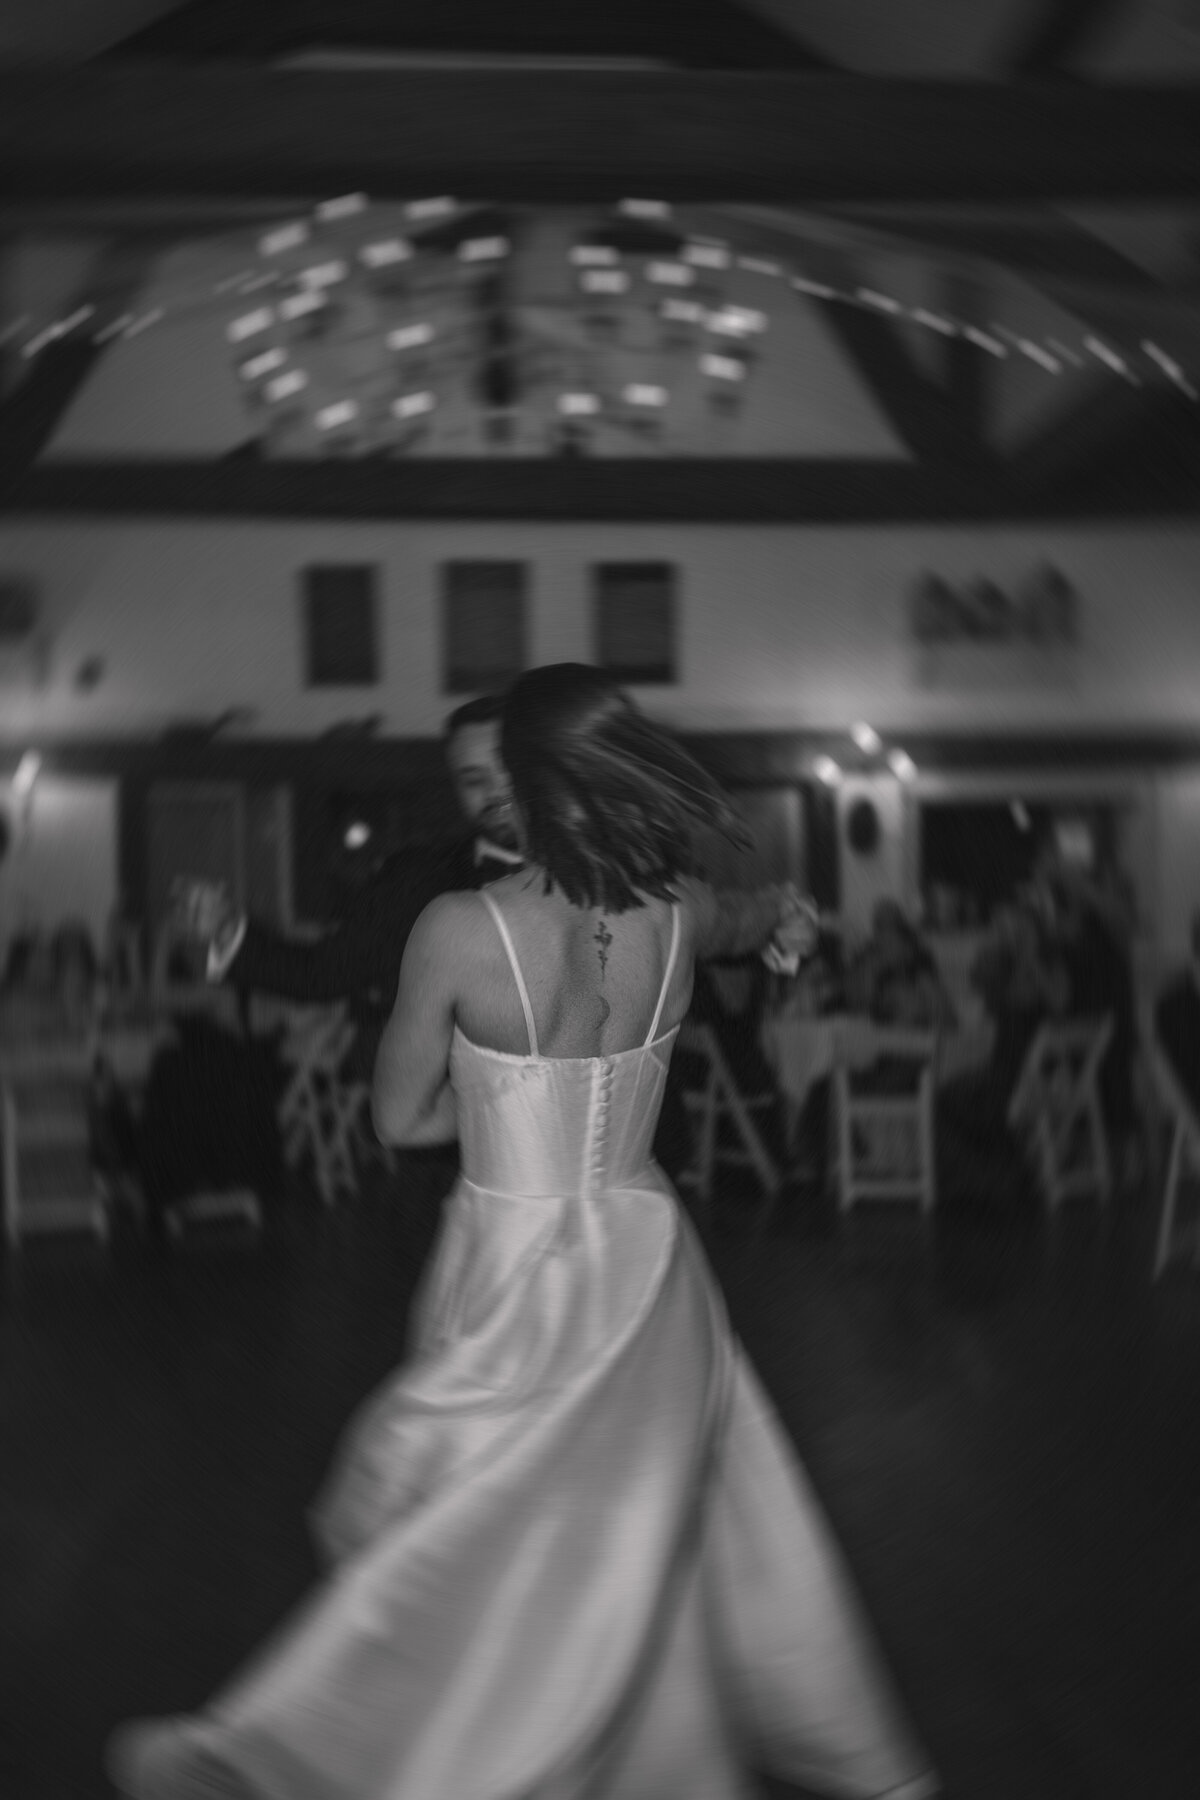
(144, 323)
(736, 321)
(881, 302)
(409, 337)
(685, 312)
(1065, 352)
(641, 393)
(436, 208)
(578, 404)
(1170, 368)
(14, 327)
(250, 323)
(113, 330)
(255, 367)
(723, 368)
(645, 209)
(593, 256)
(1036, 354)
(670, 274)
(707, 256)
(411, 406)
(901, 764)
(26, 774)
(992, 345)
(345, 206)
(284, 386)
(357, 834)
(342, 412)
(287, 237)
(484, 249)
(818, 289)
(826, 770)
(935, 321)
(385, 253)
(866, 737)
(1020, 814)
(298, 306)
(757, 265)
(604, 281)
(323, 274)
(1110, 359)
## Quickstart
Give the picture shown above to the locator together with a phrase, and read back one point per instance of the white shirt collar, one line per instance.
(486, 851)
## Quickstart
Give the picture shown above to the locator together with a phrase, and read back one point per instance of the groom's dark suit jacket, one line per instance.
(358, 960)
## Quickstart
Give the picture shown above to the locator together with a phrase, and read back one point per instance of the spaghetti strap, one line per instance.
(670, 970)
(506, 937)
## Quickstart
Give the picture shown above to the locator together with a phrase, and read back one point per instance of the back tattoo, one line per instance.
(603, 937)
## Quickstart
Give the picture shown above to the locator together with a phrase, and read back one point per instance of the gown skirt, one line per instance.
(571, 1552)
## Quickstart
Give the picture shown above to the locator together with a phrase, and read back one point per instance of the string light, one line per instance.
(901, 764)
(345, 206)
(299, 306)
(1116, 363)
(723, 368)
(736, 321)
(323, 275)
(486, 249)
(604, 281)
(757, 265)
(881, 302)
(1170, 368)
(826, 770)
(670, 274)
(284, 386)
(385, 254)
(707, 256)
(683, 312)
(578, 405)
(342, 412)
(436, 208)
(935, 321)
(642, 393)
(587, 256)
(255, 367)
(644, 209)
(137, 326)
(1065, 353)
(412, 406)
(112, 330)
(866, 737)
(286, 237)
(250, 324)
(992, 345)
(410, 337)
(817, 289)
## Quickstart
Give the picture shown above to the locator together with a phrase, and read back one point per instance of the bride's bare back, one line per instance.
(593, 976)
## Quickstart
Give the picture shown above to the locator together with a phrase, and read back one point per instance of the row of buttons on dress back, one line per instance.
(600, 1133)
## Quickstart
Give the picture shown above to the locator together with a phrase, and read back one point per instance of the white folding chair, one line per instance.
(1055, 1107)
(49, 1183)
(317, 1112)
(885, 1145)
(719, 1101)
(1184, 1159)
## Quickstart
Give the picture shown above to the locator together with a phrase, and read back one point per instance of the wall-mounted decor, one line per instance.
(1042, 609)
(862, 828)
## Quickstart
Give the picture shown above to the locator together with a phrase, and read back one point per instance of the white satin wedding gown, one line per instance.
(574, 1557)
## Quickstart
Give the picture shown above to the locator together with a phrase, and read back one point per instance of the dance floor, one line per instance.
(1002, 1422)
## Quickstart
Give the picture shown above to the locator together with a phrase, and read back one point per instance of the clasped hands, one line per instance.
(795, 937)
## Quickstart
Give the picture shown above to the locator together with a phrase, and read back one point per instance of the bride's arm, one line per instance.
(733, 922)
(412, 1102)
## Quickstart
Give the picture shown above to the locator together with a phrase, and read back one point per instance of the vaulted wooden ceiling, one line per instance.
(758, 103)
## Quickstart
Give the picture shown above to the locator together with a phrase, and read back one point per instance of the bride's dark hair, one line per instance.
(610, 802)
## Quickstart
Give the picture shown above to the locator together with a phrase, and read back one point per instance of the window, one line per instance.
(341, 625)
(483, 625)
(635, 621)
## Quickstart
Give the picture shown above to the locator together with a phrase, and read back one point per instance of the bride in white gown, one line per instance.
(573, 1556)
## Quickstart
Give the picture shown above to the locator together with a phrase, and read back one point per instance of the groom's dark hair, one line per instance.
(611, 803)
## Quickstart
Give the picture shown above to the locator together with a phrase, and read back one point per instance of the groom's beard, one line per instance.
(498, 826)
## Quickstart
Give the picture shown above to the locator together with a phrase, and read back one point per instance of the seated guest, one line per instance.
(895, 978)
(1177, 1022)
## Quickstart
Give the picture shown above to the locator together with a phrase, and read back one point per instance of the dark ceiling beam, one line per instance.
(143, 131)
(1061, 29)
(33, 410)
(745, 490)
(712, 34)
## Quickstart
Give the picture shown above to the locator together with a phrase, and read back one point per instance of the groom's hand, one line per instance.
(202, 910)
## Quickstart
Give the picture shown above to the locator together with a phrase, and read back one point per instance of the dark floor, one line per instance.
(1004, 1423)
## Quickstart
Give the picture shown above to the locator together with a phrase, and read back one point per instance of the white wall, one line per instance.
(62, 858)
(781, 627)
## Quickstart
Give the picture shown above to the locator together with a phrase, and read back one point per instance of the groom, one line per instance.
(358, 960)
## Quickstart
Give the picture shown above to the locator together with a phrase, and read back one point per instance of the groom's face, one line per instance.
(481, 782)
